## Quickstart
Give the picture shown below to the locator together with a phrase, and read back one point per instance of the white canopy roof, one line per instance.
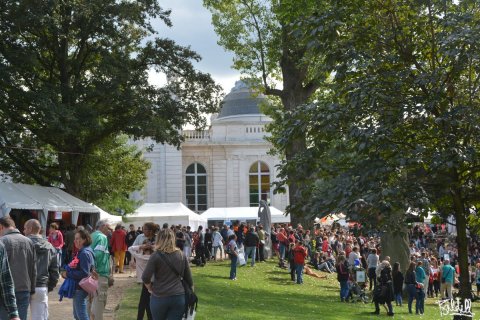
(31, 197)
(243, 213)
(171, 213)
(112, 219)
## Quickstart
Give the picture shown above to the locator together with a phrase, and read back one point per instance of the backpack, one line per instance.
(228, 249)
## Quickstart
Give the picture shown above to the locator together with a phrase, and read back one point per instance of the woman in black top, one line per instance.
(397, 283)
(342, 277)
(411, 282)
(384, 291)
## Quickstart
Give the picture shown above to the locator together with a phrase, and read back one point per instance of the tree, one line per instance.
(74, 76)
(398, 125)
(263, 37)
(113, 172)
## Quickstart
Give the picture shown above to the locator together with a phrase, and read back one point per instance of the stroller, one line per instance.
(357, 285)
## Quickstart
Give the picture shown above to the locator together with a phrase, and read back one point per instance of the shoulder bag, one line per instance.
(191, 299)
(90, 283)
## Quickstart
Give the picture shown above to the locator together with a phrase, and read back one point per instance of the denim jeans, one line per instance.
(80, 305)
(299, 271)
(412, 292)
(23, 301)
(398, 298)
(171, 308)
(282, 249)
(344, 289)
(233, 266)
(250, 252)
(419, 304)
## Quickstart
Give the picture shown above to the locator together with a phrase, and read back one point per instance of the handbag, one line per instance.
(191, 299)
(90, 283)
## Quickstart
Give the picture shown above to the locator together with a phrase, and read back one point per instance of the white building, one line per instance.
(225, 166)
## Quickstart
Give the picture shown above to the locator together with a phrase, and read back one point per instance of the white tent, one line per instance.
(171, 213)
(112, 219)
(43, 199)
(243, 214)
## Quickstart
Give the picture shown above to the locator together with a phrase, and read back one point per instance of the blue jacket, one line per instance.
(68, 287)
(85, 264)
(420, 274)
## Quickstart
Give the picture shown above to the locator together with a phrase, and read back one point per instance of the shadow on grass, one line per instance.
(226, 277)
(267, 293)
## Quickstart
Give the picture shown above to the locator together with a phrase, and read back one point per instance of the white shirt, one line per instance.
(140, 261)
(351, 258)
(217, 239)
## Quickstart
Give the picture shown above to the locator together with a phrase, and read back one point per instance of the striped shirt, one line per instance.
(7, 291)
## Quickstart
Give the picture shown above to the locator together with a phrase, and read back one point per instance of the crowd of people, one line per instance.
(31, 264)
(431, 273)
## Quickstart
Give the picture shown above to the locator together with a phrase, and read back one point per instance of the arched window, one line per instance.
(259, 183)
(196, 187)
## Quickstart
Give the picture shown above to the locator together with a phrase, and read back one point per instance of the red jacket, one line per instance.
(118, 240)
(56, 239)
(299, 254)
(281, 237)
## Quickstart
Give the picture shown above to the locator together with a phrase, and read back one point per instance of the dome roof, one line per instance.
(241, 101)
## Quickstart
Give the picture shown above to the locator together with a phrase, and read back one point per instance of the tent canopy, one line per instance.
(30, 197)
(171, 213)
(243, 213)
(112, 219)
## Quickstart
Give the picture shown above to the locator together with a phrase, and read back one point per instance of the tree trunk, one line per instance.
(462, 244)
(294, 96)
(71, 172)
(395, 245)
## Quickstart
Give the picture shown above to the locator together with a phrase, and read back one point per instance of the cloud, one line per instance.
(192, 27)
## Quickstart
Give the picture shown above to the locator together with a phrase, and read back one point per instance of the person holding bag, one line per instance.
(447, 279)
(80, 269)
(170, 271)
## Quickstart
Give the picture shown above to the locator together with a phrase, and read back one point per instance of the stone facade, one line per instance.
(227, 151)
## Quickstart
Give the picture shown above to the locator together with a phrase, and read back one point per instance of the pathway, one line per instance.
(63, 310)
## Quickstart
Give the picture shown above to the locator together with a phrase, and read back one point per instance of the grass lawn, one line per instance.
(266, 292)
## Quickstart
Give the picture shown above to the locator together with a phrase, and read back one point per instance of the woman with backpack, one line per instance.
(342, 277)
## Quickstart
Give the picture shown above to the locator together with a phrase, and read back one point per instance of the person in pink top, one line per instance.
(119, 246)
(55, 237)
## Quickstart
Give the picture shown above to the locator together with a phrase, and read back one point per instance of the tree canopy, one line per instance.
(263, 36)
(74, 76)
(396, 125)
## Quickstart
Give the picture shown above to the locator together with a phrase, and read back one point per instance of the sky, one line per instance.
(192, 27)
